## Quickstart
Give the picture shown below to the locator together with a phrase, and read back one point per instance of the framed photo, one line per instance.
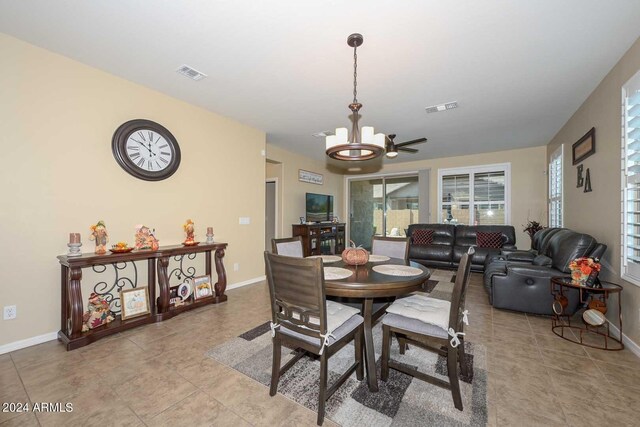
(134, 302)
(202, 287)
(585, 147)
(310, 177)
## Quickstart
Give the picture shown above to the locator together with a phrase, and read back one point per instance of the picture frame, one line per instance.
(134, 302)
(584, 147)
(310, 177)
(202, 287)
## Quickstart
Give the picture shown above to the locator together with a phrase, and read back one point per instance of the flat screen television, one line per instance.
(319, 207)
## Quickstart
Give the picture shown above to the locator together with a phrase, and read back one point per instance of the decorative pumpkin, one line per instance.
(355, 255)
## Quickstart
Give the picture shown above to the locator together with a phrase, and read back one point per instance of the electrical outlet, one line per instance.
(10, 312)
(236, 266)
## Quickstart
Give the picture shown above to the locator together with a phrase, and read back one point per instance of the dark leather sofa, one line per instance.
(450, 242)
(522, 282)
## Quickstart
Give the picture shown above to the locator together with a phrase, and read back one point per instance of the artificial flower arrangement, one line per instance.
(584, 271)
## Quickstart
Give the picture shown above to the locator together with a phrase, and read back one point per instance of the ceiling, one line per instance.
(518, 70)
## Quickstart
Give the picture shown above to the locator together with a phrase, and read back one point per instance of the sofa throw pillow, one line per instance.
(489, 240)
(422, 236)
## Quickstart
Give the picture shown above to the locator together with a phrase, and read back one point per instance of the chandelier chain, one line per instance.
(355, 75)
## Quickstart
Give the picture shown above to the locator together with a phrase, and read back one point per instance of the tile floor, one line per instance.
(158, 375)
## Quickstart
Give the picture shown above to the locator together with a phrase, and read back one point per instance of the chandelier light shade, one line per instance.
(359, 145)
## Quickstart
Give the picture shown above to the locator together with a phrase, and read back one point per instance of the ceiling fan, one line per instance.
(392, 148)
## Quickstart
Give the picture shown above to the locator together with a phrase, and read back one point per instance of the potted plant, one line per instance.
(531, 228)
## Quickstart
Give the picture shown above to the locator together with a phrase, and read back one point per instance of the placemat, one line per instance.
(336, 273)
(397, 270)
(327, 259)
(378, 258)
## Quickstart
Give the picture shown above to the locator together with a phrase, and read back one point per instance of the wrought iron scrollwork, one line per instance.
(107, 290)
(180, 272)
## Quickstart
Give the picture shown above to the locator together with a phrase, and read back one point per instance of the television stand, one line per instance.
(321, 238)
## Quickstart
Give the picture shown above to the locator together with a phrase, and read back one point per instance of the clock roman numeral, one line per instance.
(131, 147)
(159, 165)
(164, 160)
(149, 165)
(150, 136)
(165, 153)
(134, 156)
(165, 145)
(141, 135)
(140, 162)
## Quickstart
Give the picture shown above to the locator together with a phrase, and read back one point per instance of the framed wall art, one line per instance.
(202, 287)
(134, 302)
(585, 147)
(310, 177)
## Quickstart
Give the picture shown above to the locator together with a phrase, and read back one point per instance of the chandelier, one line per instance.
(359, 146)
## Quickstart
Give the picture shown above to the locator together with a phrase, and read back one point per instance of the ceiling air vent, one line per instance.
(442, 107)
(192, 73)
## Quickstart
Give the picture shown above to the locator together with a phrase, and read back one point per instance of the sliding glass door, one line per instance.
(382, 206)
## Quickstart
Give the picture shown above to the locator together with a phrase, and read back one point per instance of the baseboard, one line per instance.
(628, 342)
(18, 345)
(247, 282)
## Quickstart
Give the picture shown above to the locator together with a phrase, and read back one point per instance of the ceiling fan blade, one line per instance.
(415, 141)
(407, 150)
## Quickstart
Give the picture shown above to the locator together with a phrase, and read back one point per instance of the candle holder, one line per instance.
(209, 238)
(74, 249)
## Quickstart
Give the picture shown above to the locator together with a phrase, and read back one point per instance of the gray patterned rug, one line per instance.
(401, 401)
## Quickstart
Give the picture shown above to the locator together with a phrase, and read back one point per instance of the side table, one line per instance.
(561, 324)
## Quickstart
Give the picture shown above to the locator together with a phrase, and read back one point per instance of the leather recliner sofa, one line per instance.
(450, 242)
(523, 285)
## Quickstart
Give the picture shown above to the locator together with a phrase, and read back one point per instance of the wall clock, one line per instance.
(146, 150)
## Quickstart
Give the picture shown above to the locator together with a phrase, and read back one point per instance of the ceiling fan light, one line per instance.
(392, 154)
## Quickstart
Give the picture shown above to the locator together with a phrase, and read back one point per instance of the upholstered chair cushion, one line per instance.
(423, 308)
(390, 248)
(413, 325)
(344, 329)
(293, 249)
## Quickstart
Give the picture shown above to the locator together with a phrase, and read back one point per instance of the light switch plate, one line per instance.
(244, 220)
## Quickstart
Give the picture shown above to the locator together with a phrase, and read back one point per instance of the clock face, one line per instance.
(146, 150)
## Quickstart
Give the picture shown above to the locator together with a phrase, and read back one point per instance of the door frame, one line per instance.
(277, 213)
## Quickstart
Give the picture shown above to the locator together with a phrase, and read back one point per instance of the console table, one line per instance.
(73, 304)
(320, 238)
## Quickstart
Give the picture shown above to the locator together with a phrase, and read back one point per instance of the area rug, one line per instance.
(401, 401)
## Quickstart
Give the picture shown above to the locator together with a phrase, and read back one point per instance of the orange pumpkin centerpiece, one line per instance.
(355, 255)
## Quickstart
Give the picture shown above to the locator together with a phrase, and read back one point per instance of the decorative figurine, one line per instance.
(190, 231)
(74, 244)
(98, 312)
(145, 238)
(99, 234)
(209, 235)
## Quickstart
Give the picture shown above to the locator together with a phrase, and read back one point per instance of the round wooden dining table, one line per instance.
(370, 288)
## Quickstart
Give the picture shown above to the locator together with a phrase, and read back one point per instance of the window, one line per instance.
(631, 180)
(555, 189)
(474, 196)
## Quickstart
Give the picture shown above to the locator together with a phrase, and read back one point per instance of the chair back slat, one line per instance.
(291, 246)
(393, 247)
(460, 291)
(296, 288)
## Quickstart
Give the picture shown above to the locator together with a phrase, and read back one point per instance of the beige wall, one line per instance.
(59, 176)
(598, 212)
(292, 203)
(528, 182)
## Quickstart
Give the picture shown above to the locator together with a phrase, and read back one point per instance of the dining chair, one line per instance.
(393, 247)
(291, 246)
(418, 316)
(304, 320)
